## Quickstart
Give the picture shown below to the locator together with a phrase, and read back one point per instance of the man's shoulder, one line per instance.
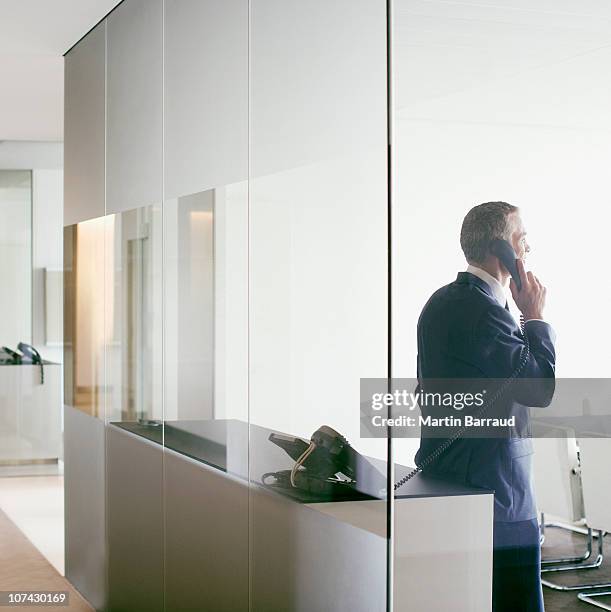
(459, 308)
(459, 297)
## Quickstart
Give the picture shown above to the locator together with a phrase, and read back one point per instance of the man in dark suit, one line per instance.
(466, 331)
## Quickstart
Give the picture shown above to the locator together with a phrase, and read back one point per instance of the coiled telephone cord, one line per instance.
(524, 355)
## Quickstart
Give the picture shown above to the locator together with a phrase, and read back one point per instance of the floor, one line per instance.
(35, 504)
(23, 568)
(560, 543)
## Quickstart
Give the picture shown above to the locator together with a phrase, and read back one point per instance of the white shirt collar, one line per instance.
(497, 289)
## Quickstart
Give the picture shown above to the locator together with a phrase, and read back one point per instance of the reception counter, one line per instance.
(191, 521)
(30, 414)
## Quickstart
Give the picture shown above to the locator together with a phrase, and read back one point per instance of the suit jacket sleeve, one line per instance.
(498, 347)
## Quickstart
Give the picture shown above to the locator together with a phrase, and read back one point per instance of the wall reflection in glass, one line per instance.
(84, 316)
(205, 284)
(133, 315)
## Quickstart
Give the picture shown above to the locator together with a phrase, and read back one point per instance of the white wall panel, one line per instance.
(317, 81)
(84, 147)
(206, 94)
(134, 105)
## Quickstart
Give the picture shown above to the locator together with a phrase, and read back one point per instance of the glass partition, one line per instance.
(506, 101)
(236, 291)
(317, 300)
(216, 330)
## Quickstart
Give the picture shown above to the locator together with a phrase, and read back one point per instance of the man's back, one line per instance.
(464, 333)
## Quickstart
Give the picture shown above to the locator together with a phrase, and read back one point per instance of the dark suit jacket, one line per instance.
(463, 333)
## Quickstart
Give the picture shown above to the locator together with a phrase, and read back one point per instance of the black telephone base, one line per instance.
(310, 486)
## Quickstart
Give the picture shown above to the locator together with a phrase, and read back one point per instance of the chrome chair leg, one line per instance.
(579, 587)
(576, 559)
(589, 598)
(551, 565)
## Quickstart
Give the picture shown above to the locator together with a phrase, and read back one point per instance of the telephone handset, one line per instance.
(507, 256)
(31, 355)
(14, 358)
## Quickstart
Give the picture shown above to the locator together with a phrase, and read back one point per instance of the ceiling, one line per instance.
(34, 34)
(515, 62)
(454, 59)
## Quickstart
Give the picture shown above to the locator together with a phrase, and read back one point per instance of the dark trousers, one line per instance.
(516, 577)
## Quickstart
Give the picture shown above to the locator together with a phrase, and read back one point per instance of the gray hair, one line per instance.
(481, 225)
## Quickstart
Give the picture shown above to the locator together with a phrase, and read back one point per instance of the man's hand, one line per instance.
(531, 298)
